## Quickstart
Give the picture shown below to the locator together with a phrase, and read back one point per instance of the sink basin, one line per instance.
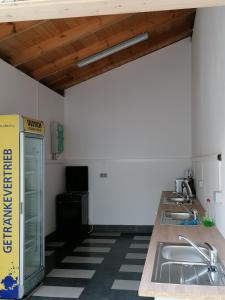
(179, 218)
(175, 199)
(182, 264)
(183, 253)
(178, 215)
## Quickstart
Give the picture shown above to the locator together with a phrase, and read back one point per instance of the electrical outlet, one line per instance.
(218, 196)
(103, 175)
(200, 183)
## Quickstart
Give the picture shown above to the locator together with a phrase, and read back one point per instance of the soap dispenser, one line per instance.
(208, 219)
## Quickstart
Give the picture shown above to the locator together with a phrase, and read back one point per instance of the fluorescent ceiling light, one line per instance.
(121, 46)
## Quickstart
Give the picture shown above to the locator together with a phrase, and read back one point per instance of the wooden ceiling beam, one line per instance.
(118, 59)
(71, 35)
(153, 20)
(21, 10)
(10, 30)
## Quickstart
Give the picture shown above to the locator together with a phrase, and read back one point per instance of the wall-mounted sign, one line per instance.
(57, 139)
(33, 126)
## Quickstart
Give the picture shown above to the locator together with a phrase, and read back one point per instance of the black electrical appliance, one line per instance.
(72, 206)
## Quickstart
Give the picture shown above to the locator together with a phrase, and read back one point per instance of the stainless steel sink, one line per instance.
(175, 200)
(178, 215)
(177, 218)
(182, 264)
(183, 253)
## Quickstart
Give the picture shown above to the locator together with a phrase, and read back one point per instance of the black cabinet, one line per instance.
(71, 215)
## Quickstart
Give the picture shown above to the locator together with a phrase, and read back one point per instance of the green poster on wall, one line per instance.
(60, 137)
(57, 139)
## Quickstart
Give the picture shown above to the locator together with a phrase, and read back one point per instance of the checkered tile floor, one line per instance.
(105, 266)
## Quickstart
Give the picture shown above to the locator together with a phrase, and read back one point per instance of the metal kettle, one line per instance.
(190, 186)
(178, 185)
(185, 186)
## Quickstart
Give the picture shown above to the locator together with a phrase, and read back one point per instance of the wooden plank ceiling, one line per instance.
(26, 10)
(49, 50)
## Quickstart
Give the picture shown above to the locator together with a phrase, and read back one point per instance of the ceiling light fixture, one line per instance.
(121, 46)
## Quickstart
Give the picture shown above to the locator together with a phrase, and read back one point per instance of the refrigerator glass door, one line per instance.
(33, 205)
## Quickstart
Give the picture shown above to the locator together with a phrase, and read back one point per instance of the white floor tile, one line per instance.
(139, 246)
(141, 238)
(70, 273)
(132, 268)
(59, 292)
(105, 234)
(131, 285)
(56, 244)
(82, 260)
(135, 256)
(49, 252)
(92, 249)
(100, 241)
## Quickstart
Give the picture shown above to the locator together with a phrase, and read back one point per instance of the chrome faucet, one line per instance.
(213, 253)
(195, 213)
(192, 211)
(211, 258)
(188, 189)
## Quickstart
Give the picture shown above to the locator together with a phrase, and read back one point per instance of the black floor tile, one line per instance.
(128, 276)
(57, 281)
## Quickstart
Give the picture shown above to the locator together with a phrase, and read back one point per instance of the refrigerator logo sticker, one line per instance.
(9, 285)
(9, 207)
(7, 201)
(33, 126)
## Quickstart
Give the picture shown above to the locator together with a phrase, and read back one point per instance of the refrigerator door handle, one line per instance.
(21, 208)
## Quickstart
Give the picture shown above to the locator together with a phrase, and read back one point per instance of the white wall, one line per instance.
(208, 105)
(21, 94)
(132, 123)
(51, 108)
